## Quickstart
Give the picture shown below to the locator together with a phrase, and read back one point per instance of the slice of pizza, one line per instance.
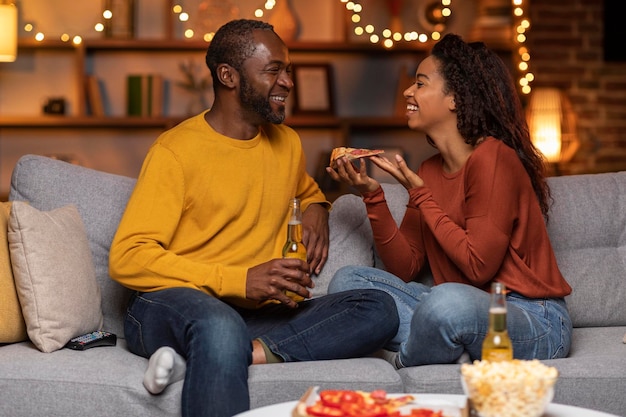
(351, 154)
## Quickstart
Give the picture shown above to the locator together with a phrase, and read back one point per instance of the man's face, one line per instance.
(258, 102)
(265, 79)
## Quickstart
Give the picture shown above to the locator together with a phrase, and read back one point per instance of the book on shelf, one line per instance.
(95, 96)
(145, 95)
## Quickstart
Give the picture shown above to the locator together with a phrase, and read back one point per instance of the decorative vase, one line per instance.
(212, 14)
(284, 20)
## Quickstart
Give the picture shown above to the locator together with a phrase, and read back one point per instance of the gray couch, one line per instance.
(587, 228)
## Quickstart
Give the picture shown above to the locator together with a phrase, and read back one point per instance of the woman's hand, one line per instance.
(347, 173)
(400, 171)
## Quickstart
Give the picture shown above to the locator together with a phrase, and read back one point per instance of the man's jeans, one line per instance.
(215, 338)
(439, 324)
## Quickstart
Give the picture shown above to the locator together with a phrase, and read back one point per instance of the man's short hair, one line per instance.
(233, 44)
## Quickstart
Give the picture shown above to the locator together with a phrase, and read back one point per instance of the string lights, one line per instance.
(189, 33)
(40, 36)
(66, 37)
(521, 25)
(388, 36)
(438, 15)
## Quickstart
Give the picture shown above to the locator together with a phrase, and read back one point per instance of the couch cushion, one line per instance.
(98, 382)
(591, 376)
(351, 234)
(278, 382)
(350, 240)
(100, 199)
(54, 275)
(587, 228)
(12, 325)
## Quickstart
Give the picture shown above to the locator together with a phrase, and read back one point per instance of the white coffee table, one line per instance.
(553, 410)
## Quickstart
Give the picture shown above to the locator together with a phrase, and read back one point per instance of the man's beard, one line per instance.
(250, 99)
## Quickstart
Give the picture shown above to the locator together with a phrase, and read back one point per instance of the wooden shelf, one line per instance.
(32, 122)
(45, 44)
(168, 45)
(328, 122)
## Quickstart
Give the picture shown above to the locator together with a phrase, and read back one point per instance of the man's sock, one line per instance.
(165, 367)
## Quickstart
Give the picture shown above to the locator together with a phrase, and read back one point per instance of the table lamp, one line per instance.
(8, 32)
(552, 125)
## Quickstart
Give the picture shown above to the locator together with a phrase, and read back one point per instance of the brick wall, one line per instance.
(565, 41)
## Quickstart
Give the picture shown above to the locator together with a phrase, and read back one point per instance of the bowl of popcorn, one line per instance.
(517, 388)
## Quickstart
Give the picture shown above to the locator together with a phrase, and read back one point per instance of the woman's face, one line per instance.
(427, 104)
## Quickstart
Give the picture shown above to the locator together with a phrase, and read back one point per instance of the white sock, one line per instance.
(165, 367)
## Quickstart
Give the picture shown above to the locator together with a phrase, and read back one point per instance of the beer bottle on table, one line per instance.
(497, 345)
(294, 248)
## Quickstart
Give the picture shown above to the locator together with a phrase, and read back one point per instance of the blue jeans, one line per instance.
(216, 338)
(439, 324)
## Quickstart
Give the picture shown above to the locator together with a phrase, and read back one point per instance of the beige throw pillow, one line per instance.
(54, 274)
(12, 326)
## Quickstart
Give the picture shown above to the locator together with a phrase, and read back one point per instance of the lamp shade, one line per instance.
(544, 122)
(8, 32)
(552, 124)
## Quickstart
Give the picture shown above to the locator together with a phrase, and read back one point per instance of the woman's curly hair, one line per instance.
(487, 104)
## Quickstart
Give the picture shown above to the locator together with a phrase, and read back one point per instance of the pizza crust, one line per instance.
(351, 154)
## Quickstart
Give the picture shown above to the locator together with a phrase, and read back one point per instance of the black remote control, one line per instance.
(94, 339)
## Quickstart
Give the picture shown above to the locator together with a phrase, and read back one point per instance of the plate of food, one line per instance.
(377, 403)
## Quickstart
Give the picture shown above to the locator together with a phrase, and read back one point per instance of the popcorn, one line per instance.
(514, 388)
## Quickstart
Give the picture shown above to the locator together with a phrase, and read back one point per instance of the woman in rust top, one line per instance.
(476, 214)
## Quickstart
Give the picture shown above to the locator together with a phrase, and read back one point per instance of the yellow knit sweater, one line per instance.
(206, 208)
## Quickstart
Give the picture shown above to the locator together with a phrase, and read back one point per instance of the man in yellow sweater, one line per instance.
(200, 242)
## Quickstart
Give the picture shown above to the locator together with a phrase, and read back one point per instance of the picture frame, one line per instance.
(313, 89)
(121, 25)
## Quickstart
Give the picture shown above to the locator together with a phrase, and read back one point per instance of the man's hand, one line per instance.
(270, 280)
(315, 236)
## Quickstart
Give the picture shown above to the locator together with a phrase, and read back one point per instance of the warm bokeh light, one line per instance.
(389, 37)
(521, 26)
(544, 122)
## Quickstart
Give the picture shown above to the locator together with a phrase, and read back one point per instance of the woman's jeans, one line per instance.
(216, 338)
(439, 324)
